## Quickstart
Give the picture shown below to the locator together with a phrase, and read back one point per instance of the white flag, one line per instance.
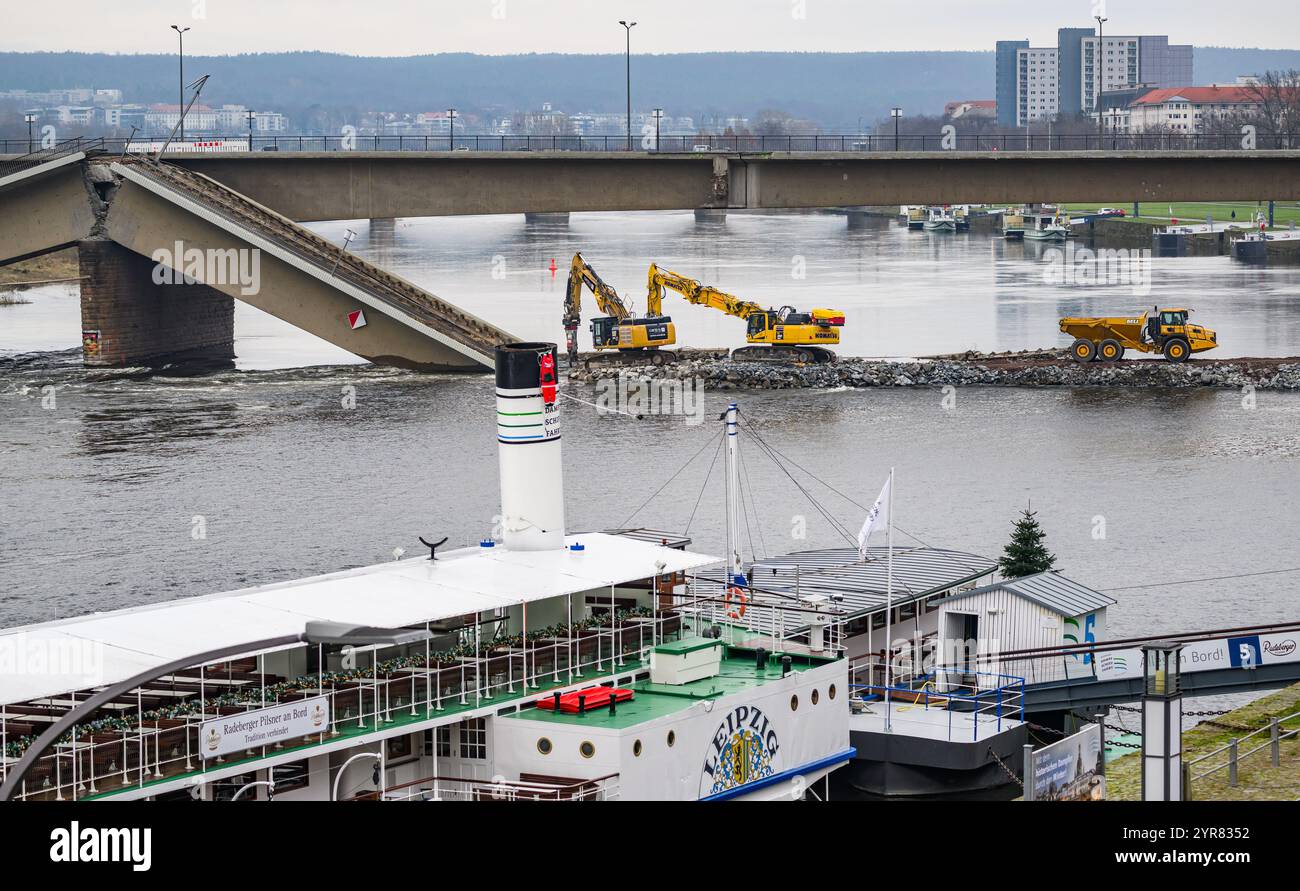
(879, 511)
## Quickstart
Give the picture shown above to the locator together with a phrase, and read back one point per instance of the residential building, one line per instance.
(161, 118)
(1189, 109)
(1037, 85)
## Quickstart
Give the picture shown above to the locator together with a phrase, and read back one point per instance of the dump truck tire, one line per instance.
(1110, 351)
(1083, 350)
(1177, 350)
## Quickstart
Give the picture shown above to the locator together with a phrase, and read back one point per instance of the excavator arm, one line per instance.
(581, 275)
(702, 295)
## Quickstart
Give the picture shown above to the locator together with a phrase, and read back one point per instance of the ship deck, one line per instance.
(652, 701)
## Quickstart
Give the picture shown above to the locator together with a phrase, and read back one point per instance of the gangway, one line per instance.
(1090, 675)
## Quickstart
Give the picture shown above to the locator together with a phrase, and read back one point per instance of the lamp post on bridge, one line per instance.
(897, 114)
(628, 26)
(451, 129)
(252, 115)
(180, 57)
(658, 116)
(29, 119)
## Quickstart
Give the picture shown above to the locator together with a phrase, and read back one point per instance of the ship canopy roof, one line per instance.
(52, 658)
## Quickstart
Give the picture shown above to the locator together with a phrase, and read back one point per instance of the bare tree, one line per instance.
(1276, 95)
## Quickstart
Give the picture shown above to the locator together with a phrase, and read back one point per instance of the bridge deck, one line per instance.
(476, 338)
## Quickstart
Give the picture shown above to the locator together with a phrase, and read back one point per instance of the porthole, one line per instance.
(586, 750)
(831, 692)
(794, 703)
(816, 697)
(544, 746)
(636, 749)
(672, 738)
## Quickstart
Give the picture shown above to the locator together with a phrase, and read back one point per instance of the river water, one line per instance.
(122, 489)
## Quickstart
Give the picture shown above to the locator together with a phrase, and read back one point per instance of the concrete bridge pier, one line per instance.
(711, 215)
(127, 318)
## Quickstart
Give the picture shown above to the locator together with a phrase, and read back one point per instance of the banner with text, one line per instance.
(265, 726)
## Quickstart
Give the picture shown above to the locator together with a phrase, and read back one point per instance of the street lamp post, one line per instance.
(314, 632)
(180, 57)
(451, 129)
(252, 115)
(897, 114)
(30, 119)
(378, 756)
(658, 115)
(1101, 75)
(628, 26)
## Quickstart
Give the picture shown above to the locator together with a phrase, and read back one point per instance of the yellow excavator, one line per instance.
(635, 340)
(776, 335)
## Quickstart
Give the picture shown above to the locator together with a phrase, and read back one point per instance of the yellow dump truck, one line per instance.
(1158, 331)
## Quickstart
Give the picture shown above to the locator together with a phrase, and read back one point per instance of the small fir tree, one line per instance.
(1025, 554)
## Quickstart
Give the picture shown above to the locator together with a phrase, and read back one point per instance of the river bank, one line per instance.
(58, 266)
(1258, 779)
(1038, 368)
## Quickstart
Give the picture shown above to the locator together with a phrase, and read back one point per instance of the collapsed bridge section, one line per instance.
(197, 231)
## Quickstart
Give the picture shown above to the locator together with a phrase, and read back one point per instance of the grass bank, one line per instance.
(60, 264)
(1258, 779)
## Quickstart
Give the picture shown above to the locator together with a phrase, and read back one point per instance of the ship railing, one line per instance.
(1229, 756)
(990, 700)
(752, 617)
(442, 788)
(137, 744)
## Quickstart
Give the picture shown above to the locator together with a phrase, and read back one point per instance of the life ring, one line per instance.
(734, 594)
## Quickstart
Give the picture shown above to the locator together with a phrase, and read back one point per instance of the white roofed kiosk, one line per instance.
(207, 696)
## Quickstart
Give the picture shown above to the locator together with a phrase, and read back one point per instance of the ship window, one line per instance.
(672, 738)
(794, 703)
(587, 749)
(831, 692)
(636, 749)
(473, 739)
(816, 697)
(544, 746)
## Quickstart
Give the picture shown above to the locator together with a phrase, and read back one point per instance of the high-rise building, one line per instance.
(1005, 86)
(1069, 52)
(1039, 82)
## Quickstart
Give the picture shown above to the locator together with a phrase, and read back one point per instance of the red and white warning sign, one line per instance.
(356, 319)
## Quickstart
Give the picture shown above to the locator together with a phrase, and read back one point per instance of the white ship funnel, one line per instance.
(528, 446)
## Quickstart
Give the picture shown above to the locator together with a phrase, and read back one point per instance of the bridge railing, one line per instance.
(34, 157)
(1229, 757)
(677, 144)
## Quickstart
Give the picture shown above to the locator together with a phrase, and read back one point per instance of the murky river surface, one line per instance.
(103, 485)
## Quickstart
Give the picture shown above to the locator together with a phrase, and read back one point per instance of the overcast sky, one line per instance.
(412, 27)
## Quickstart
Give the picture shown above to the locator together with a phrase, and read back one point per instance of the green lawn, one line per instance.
(1285, 212)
